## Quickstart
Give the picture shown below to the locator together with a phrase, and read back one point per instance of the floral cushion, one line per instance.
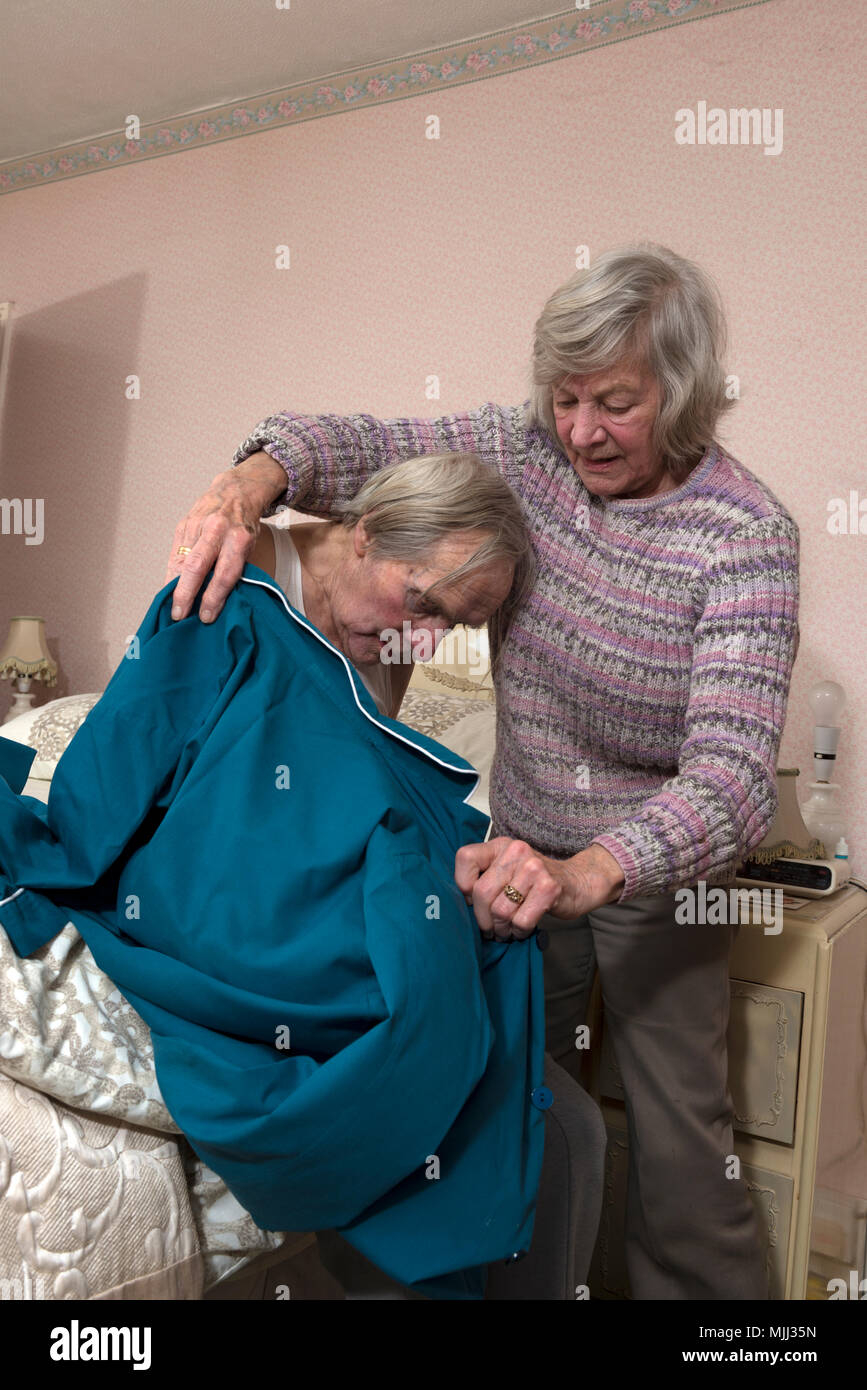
(49, 728)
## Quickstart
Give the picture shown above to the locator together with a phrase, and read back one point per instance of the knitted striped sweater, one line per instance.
(644, 682)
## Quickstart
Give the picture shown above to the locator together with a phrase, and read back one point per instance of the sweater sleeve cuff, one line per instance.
(634, 874)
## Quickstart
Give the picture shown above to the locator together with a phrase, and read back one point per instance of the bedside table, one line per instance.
(797, 1043)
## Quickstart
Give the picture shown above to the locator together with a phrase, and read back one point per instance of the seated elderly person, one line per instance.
(412, 556)
(261, 858)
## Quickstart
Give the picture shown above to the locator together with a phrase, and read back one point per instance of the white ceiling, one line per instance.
(73, 70)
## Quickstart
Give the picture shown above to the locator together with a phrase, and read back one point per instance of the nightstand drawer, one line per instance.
(764, 1040)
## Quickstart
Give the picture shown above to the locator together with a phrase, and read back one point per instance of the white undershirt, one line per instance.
(287, 573)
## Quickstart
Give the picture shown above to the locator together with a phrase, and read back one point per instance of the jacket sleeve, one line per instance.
(128, 755)
(720, 805)
(328, 457)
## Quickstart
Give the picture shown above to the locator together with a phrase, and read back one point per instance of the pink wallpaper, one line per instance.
(412, 258)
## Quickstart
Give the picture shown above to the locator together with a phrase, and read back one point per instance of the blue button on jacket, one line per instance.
(264, 865)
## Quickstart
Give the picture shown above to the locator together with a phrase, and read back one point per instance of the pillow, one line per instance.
(49, 728)
(467, 727)
(460, 666)
(463, 722)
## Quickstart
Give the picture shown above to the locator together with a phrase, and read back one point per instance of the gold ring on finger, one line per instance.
(513, 894)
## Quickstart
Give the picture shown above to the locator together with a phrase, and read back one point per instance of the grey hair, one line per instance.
(640, 303)
(407, 507)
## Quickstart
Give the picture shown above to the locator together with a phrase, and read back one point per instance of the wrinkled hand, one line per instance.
(565, 888)
(221, 530)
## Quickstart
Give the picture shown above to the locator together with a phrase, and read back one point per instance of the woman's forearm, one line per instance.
(326, 458)
(264, 471)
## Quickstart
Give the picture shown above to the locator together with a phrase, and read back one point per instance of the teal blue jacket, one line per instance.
(264, 865)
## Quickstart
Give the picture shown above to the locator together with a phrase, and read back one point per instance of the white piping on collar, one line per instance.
(293, 613)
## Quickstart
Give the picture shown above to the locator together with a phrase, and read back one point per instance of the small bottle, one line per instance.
(841, 862)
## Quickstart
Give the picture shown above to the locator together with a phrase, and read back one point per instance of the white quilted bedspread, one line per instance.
(100, 1194)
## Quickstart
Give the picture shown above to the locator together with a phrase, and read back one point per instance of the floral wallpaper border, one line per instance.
(572, 32)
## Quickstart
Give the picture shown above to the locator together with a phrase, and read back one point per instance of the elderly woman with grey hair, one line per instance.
(442, 521)
(641, 694)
